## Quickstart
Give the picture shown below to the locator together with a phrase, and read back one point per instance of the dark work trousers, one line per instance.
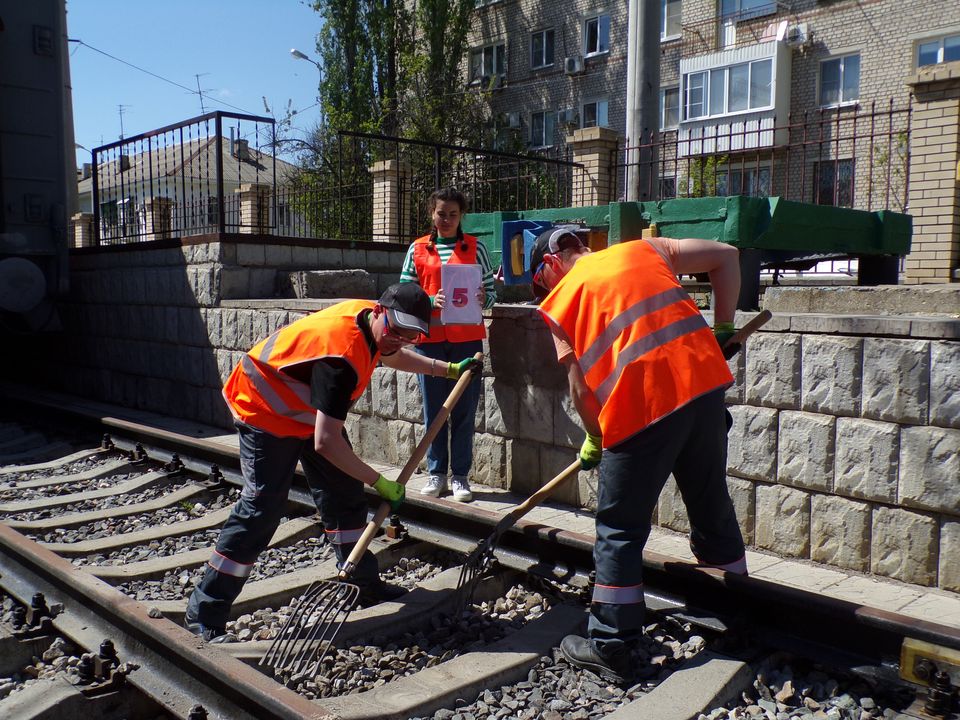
(691, 443)
(435, 391)
(268, 464)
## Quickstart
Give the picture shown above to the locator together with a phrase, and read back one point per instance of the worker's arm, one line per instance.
(722, 263)
(410, 361)
(583, 398)
(329, 442)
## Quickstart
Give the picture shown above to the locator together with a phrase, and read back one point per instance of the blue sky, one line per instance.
(240, 49)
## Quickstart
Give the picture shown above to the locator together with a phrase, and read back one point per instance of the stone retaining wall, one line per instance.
(845, 447)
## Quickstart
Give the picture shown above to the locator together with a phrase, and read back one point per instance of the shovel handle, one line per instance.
(756, 322)
(381, 514)
(539, 496)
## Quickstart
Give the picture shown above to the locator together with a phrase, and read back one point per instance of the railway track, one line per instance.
(102, 539)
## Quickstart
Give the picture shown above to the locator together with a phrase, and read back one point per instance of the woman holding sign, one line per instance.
(454, 270)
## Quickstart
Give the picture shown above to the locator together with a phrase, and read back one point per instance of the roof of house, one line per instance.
(193, 160)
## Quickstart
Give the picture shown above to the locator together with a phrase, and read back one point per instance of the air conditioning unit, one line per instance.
(513, 120)
(797, 35)
(573, 65)
(566, 117)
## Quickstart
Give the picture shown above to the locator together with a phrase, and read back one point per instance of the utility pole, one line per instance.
(643, 98)
(120, 109)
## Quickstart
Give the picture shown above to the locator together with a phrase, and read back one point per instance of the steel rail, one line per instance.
(541, 549)
(177, 669)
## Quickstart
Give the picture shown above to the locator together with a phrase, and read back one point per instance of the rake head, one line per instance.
(308, 634)
(477, 564)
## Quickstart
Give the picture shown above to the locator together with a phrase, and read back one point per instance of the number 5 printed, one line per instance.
(460, 297)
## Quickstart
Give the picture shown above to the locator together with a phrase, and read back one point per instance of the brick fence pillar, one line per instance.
(157, 218)
(596, 149)
(254, 208)
(82, 230)
(934, 198)
(391, 200)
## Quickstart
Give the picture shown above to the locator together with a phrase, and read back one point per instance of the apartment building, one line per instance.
(844, 102)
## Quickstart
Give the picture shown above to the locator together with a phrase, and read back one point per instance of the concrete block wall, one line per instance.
(845, 447)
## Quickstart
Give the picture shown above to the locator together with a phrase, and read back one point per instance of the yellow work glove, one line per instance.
(591, 451)
(723, 331)
(455, 370)
(392, 492)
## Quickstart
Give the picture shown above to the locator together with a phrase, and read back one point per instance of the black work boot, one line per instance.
(211, 635)
(581, 652)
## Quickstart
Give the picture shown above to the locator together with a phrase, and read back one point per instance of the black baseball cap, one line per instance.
(550, 242)
(408, 306)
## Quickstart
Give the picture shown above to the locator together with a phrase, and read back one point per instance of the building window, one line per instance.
(941, 50)
(595, 114)
(748, 86)
(670, 18)
(751, 181)
(746, 9)
(596, 35)
(541, 49)
(213, 210)
(669, 107)
(840, 80)
(487, 61)
(833, 183)
(542, 128)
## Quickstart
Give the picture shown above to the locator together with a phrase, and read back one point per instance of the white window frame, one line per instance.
(663, 107)
(600, 103)
(664, 37)
(842, 102)
(543, 34)
(548, 131)
(706, 103)
(481, 50)
(941, 41)
(599, 18)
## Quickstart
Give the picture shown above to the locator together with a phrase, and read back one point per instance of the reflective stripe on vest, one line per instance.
(613, 595)
(343, 537)
(223, 564)
(427, 264)
(264, 392)
(643, 346)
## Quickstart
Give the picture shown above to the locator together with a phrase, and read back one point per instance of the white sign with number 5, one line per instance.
(461, 284)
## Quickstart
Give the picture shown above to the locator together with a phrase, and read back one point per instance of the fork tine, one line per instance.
(308, 634)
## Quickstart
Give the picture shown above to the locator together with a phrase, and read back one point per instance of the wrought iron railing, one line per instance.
(857, 156)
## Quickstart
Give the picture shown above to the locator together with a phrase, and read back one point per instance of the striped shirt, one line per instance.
(445, 249)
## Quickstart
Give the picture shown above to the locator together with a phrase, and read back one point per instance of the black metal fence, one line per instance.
(192, 179)
(183, 179)
(857, 156)
(373, 187)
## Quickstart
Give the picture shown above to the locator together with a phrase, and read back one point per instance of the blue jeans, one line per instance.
(435, 391)
(691, 443)
(268, 463)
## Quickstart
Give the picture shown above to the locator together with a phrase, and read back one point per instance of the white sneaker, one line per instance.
(461, 488)
(436, 485)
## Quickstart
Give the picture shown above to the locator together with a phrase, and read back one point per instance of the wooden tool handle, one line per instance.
(757, 322)
(543, 493)
(381, 514)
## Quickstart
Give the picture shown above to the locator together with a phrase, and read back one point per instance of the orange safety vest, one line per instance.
(426, 260)
(644, 348)
(261, 393)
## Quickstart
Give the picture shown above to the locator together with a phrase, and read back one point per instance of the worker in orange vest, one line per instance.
(647, 377)
(289, 397)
